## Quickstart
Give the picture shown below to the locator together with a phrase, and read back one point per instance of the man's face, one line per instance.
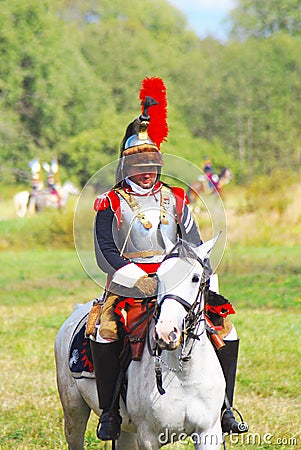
(144, 176)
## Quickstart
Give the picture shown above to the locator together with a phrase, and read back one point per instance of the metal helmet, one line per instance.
(144, 135)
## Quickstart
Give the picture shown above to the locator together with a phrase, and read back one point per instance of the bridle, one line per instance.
(193, 318)
(194, 311)
(190, 329)
(192, 321)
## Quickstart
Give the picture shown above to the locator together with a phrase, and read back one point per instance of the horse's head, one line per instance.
(70, 188)
(180, 278)
(225, 176)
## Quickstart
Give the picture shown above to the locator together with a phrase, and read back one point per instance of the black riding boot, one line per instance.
(227, 356)
(107, 368)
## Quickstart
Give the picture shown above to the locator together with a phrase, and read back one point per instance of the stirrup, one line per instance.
(230, 424)
(108, 428)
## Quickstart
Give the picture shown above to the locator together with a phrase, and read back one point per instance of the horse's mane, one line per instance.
(223, 171)
(185, 250)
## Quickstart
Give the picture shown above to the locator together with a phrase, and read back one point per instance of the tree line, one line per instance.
(70, 74)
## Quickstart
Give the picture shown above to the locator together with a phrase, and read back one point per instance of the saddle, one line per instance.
(136, 321)
(134, 316)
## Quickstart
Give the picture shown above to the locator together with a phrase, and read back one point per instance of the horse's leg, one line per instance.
(76, 410)
(211, 439)
(31, 207)
(127, 441)
(75, 426)
(147, 440)
(21, 209)
(76, 414)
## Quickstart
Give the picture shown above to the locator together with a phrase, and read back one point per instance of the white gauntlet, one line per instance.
(128, 275)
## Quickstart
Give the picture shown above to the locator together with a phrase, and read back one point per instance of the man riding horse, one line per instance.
(213, 178)
(36, 182)
(52, 190)
(129, 224)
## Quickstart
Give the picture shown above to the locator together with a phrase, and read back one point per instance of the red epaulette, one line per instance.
(107, 200)
(181, 200)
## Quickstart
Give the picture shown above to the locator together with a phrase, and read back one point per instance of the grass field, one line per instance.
(39, 289)
(42, 280)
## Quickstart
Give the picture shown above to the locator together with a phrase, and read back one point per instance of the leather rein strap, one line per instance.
(179, 299)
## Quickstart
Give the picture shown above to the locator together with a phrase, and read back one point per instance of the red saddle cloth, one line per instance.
(135, 314)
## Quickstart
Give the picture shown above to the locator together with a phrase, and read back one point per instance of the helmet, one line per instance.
(207, 165)
(141, 143)
(134, 141)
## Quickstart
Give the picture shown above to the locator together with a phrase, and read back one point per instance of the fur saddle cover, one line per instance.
(135, 315)
(80, 358)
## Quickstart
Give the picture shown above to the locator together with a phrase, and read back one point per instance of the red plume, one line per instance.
(158, 128)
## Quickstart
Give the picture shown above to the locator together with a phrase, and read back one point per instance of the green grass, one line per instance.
(39, 289)
(49, 229)
(265, 277)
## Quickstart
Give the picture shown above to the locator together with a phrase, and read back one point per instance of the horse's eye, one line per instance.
(195, 278)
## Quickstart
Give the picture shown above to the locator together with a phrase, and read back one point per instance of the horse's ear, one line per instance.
(169, 246)
(203, 251)
(46, 167)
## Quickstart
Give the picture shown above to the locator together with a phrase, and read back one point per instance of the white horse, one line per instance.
(24, 203)
(191, 374)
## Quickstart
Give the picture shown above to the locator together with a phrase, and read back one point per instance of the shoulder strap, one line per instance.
(181, 200)
(165, 200)
(133, 204)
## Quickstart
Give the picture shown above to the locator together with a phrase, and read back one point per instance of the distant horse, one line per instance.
(21, 202)
(207, 185)
(36, 202)
(191, 374)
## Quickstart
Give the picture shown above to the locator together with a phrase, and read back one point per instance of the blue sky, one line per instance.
(205, 16)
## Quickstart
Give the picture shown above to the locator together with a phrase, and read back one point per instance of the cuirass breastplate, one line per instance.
(134, 237)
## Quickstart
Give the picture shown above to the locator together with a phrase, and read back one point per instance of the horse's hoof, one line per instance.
(108, 428)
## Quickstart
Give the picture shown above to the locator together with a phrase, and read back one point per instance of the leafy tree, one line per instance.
(70, 74)
(39, 76)
(264, 18)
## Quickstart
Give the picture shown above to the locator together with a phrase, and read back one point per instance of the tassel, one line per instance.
(158, 128)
